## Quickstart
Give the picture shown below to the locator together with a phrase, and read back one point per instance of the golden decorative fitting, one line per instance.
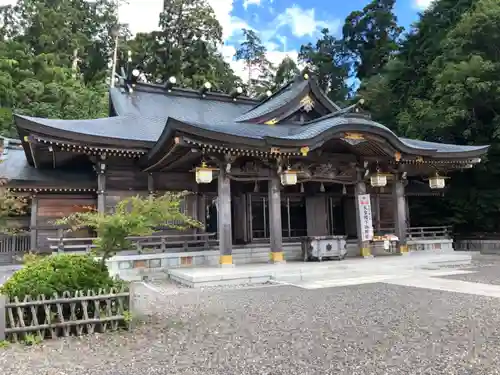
(307, 103)
(271, 122)
(397, 156)
(304, 150)
(419, 159)
(354, 136)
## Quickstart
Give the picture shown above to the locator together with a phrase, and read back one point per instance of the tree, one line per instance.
(406, 76)
(327, 60)
(70, 30)
(253, 53)
(287, 70)
(10, 205)
(134, 216)
(442, 86)
(371, 36)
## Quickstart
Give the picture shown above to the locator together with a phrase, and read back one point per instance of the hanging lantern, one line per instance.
(204, 174)
(436, 182)
(288, 177)
(378, 180)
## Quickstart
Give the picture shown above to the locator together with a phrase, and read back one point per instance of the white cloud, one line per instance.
(422, 4)
(303, 22)
(230, 24)
(141, 15)
(246, 3)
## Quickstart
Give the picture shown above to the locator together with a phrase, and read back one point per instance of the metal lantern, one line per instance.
(204, 174)
(288, 177)
(436, 182)
(378, 180)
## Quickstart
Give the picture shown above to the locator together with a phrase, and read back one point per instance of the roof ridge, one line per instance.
(160, 89)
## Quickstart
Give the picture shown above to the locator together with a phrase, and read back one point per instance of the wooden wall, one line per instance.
(55, 206)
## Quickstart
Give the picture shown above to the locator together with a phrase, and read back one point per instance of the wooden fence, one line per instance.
(154, 243)
(424, 232)
(13, 245)
(64, 315)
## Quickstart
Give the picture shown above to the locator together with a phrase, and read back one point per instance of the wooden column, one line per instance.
(376, 202)
(151, 184)
(317, 215)
(101, 187)
(399, 201)
(240, 212)
(33, 223)
(224, 219)
(275, 229)
(360, 189)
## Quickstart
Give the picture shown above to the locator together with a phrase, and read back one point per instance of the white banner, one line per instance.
(365, 216)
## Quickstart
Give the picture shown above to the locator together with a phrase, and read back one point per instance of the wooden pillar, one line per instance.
(377, 212)
(275, 229)
(240, 211)
(317, 215)
(151, 184)
(399, 201)
(101, 188)
(360, 189)
(224, 219)
(33, 223)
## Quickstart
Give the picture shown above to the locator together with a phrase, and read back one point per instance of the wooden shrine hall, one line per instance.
(267, 171)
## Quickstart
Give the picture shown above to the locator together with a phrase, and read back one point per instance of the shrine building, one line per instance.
(267, 172)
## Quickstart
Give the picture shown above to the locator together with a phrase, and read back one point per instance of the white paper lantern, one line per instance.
(204, 175)
(436, 182)
(288, 177)
(378, 180)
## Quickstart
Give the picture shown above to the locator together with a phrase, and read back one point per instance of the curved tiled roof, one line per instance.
(148, 114)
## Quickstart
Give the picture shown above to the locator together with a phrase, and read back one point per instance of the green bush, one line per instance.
(57, 274)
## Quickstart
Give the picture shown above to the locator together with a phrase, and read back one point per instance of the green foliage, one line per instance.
(31, 339)
(327, 60)
(443, 86)
(136, 216)
(186, 46)
(10, 205)
(57, 274)
(371, 36)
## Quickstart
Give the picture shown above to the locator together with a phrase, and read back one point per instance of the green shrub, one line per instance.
(57, 274)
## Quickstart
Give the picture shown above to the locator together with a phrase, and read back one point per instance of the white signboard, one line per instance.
(365, 213)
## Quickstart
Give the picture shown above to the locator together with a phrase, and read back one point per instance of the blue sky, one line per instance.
(283, 25)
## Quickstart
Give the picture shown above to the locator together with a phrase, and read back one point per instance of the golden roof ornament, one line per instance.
(307, 103)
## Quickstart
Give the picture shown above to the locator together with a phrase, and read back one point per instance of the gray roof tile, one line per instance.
(15, 168)
(143, 115)
(281, 98)
(158, 107)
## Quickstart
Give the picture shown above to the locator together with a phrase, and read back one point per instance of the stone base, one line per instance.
(231, 265)
(299, 271)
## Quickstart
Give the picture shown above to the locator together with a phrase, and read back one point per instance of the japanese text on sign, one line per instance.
(365, 212)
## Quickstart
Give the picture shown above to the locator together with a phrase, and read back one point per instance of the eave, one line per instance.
(71, 135)
(311, 137)
(286, 101)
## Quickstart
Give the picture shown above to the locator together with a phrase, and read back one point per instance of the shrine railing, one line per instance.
(171, 243)
(12, 246)
(414, 233)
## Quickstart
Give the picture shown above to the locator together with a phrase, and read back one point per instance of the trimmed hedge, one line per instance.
(57, 274)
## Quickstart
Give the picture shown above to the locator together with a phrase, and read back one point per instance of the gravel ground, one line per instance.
(368, 329)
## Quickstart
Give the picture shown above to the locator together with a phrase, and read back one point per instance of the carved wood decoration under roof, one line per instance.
(164, 129)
